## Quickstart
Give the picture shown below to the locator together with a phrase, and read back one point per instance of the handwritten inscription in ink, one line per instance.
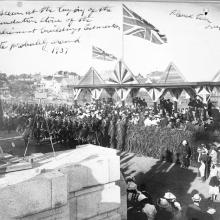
(38, 27)
(200, 16)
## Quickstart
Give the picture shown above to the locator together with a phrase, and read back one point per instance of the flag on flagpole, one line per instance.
(100, 54)
(135, 25)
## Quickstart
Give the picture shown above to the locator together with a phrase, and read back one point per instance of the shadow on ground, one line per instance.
(160, 177)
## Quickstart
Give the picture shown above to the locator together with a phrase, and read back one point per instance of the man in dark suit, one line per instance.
(184, 154)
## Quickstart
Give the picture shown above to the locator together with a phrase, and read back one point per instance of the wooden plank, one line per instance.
(149, 85)
(6, 168)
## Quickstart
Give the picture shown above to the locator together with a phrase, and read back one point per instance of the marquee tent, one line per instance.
(91, 78)
(172, 75)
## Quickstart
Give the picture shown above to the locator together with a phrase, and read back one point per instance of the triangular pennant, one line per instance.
(122, 75)
(191, 92)
(123, 93)
(96, 93)
(76, 93)
(155, 93)
(203, 90)
(176, 93)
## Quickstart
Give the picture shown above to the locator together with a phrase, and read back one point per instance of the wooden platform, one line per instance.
(8, 163)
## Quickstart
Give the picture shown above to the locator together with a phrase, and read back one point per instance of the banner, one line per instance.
(155, 93)
(175, 93)
(76, 93)
(123, 93)
(96, 93)
(204, 92)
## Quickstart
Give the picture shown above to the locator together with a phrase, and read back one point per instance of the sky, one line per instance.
(193, 48)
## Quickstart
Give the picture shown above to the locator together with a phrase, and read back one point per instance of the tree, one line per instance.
(3, 79)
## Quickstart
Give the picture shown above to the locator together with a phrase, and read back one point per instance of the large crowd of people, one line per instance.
(98, 124)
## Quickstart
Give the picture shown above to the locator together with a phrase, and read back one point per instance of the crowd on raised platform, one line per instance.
(99, 124)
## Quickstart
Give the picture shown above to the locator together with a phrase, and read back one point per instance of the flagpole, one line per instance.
(151, 36)
(122, 32)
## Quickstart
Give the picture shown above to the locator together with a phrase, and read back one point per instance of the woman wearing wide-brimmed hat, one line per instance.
(174, 205)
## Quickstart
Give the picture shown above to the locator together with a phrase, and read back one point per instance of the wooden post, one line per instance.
(123, 103)
(175, 106)
(155, 108)
(75, 103)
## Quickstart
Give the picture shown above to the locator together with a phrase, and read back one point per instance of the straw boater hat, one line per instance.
(163, 203)
(169, 196)
(131, 185)
(184, 142)
(196, 198)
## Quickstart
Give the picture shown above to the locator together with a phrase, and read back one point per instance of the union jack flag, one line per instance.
(100, 54)
(135, 25)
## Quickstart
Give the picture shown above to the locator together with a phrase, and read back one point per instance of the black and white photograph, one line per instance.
(110, 110)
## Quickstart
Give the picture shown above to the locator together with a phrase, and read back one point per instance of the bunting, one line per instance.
(123, 93)
(204, 92)
(155, 93)
(190, 93)
(176, 93)
(76, 93)
(96, 93)
(122, 75)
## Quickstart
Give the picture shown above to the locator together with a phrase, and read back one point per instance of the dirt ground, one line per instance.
(160, 177)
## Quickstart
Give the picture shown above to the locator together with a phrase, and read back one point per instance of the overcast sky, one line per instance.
(193, 48)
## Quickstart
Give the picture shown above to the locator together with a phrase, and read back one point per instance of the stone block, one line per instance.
(87, 205)
(73, 208)
(98, 171)
(99, 217)
(114, 168)
(58, 188)
(26, 198)
(123, 208)
(87, 190)
(77, 176)
(56, 213)
(116, 216)
(110, 199)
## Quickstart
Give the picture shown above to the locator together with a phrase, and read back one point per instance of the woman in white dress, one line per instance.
(202, 160)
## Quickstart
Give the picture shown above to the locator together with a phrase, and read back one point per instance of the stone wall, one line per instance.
(75, 185)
